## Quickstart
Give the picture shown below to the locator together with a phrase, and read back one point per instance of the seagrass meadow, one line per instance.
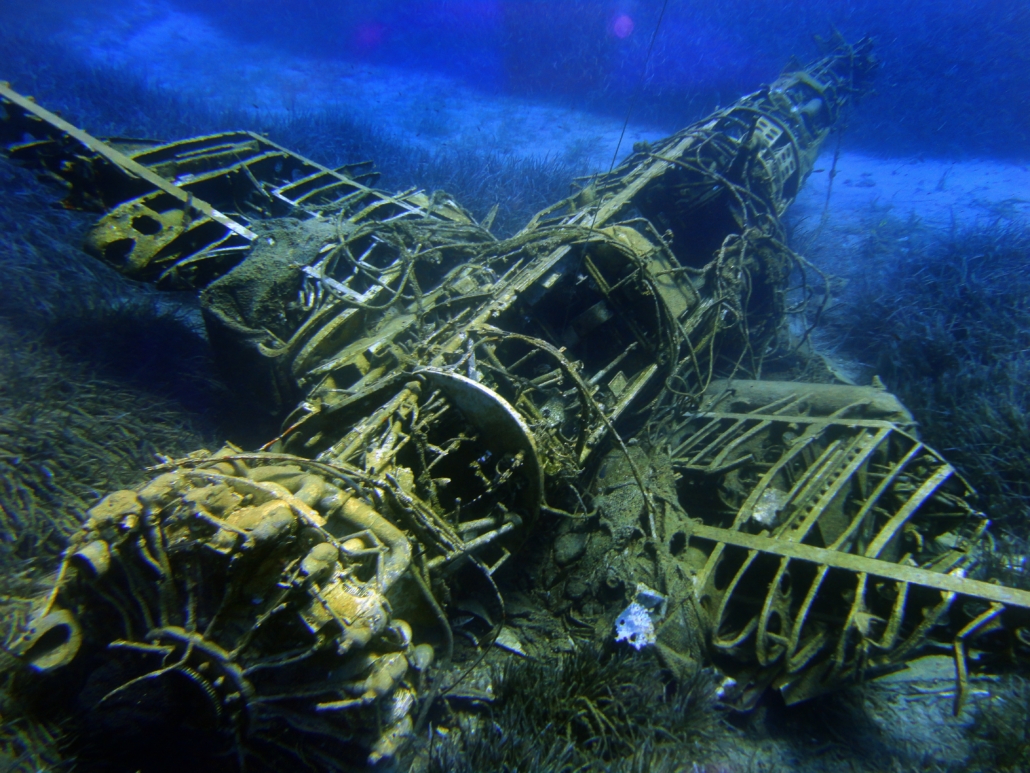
(940, 315)
(87, 407)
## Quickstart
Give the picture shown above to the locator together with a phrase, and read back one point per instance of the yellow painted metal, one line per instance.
(122, 160)
(946, 583)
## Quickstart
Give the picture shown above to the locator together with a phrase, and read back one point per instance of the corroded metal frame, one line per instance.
(840, 543)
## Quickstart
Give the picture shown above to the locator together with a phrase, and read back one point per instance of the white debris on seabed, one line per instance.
(636, 624)
(769, 505)
(651, 600)
(507, 639)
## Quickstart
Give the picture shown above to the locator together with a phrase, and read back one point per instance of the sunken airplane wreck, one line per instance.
(447, 390)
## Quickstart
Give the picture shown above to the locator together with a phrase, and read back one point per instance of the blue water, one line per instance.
(954, 80)
(502, 102)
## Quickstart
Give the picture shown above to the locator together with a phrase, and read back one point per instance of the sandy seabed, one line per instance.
(438, 112)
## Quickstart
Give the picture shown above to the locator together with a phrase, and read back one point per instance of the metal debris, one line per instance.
(450, 387)
(507, 639)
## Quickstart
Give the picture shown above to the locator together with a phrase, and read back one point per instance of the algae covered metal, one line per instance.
(445, 391)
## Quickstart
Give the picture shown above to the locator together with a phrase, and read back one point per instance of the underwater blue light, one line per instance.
(622, 27)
